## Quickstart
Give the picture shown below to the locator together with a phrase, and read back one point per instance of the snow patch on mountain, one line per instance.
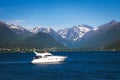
(19, 30)
(74, 33)
(95, 29)
(14, 27)
(63, 32)
(40, 29)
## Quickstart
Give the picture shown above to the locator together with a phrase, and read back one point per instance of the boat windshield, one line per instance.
(47, 55)
(37, 57)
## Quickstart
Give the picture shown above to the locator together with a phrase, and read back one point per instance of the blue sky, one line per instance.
(59, 14)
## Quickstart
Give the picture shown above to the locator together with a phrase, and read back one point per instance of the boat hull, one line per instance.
(49, 59)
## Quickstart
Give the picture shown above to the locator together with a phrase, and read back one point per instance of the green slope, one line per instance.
(41, 41)
(7, 37)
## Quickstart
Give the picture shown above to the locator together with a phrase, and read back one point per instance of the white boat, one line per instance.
(47, 58)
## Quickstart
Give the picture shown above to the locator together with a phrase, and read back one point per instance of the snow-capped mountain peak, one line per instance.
(35, 30)
(81, 28)
(63, 32)
(13, 26)
(95, 29)
(74, 33)
(17, 27)
(40, 29)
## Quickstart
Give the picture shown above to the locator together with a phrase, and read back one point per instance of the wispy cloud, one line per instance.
(17, 21)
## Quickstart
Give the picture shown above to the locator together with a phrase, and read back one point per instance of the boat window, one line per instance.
(37, 57)
(47, 55)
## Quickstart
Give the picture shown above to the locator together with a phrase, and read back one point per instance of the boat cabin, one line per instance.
(42, 55)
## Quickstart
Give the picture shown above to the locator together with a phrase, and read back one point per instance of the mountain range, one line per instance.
(67, 37)
(12, 36)
(104, 37)
(80, 37)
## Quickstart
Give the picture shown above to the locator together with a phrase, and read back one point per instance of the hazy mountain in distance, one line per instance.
(67, 37)
(101, 37)
(12, 36)
(8, 38)
(50, 31)
(82, 37)
(74, 33)
(41, 40)
(19, 30)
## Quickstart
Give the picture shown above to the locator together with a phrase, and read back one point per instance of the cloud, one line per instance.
(17, 21)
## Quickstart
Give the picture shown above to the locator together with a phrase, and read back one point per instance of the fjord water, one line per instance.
(78, 66)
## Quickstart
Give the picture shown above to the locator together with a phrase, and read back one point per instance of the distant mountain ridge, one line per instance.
(16, 29)
(65, 36)
(19, 30)
(80, 37)
(8, 38)
(12, 36)
(74, 33)
(41, 40)
(101, 38)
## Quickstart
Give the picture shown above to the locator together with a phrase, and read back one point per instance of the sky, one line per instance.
(59, 14)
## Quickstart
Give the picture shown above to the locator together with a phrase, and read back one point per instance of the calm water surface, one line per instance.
(78, 66)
